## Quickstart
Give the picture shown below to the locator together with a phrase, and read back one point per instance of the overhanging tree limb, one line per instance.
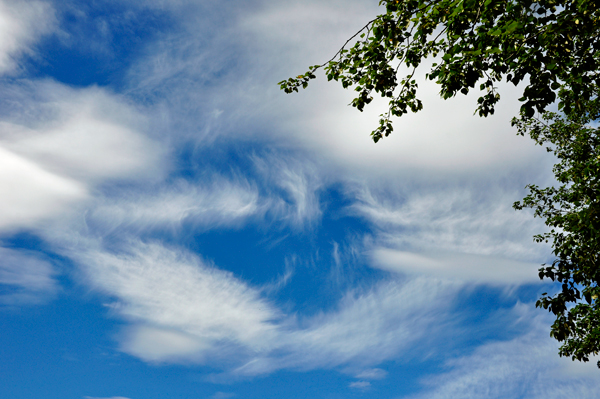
(551, 43)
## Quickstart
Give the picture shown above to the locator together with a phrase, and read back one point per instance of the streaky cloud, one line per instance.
(482, 269)
(26, 278)
(216, 203)
(175, 298)
(59, 143)
(183, 309)
(297, 202)
(365, 329)
(524, 367)
(22, 24)
(452, 233)
(88, 134)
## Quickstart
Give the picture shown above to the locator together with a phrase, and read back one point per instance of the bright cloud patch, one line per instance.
(156, 345)
(297, 203)
(360, 385)
(29, 193)
(452, 234)
(369, 327)
(156, 286)
(372, 374)
(456, 219)
(465, 267)
(22, 23)
(57, 143)
(87, 134)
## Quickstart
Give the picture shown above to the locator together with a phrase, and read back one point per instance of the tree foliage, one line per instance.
(572, 212)
(547, 45)
(551, 48)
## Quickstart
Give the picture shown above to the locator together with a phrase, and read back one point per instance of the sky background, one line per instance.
(172, 225)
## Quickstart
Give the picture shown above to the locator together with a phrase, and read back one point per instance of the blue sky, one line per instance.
(174, 226)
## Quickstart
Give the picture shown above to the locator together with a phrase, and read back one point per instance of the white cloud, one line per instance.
(300, 181)
(525, 367)
(159, 345)
(372, 374)
(285, 28)
(471, 219)
(26, 277)
(30, 194)
(365, 328)
(216, 203)
(86, 134)
(370, 327)
(445, 140)
(22, 23)
(263, 45)
(57, 143)
(181, 307)
(465, 267)
(448, 232)
(363, 385)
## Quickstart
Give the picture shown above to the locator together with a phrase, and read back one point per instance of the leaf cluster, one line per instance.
(551, 45)
(572, 212)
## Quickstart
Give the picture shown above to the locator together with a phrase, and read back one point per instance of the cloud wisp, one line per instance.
(25, 278)
(219, 202)
(293, 187)
(524, 367)
(365, 329)
(182, 309)
(22, 24)
(453, 233)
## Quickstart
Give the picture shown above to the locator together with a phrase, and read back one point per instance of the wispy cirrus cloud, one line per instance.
(469, 233)
(372, 374)
(371, 325)
(86, 134)
(524, 367)
(30, 194)
(58, 143)
(25, 278)
(362, 385)
(183, 309)
(293, 187)
(218, 202)
(366, 328)
(22, 24)
(480, 269)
